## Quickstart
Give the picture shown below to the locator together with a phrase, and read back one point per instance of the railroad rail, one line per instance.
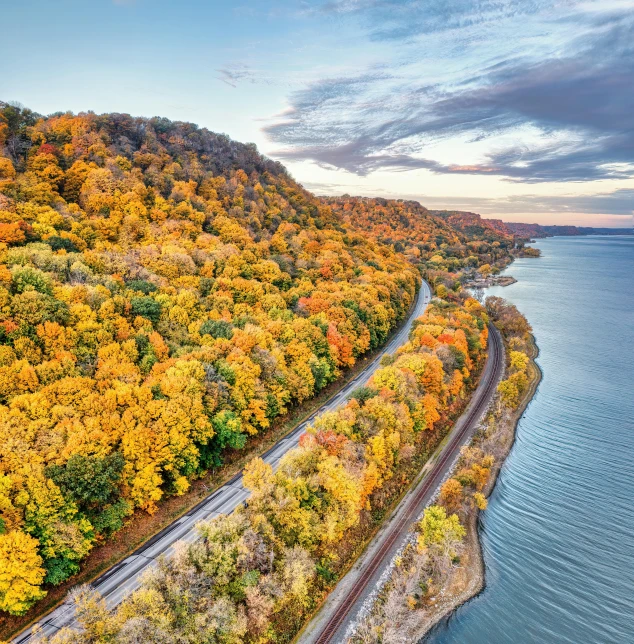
(480, 400)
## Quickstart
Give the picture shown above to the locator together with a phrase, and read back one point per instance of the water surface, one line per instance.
(558, 536)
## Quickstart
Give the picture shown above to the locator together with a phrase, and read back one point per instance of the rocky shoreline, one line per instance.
(470, 580)
(491, 280)
(467, 579)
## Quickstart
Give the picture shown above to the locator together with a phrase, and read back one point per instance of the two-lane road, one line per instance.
(124, 577)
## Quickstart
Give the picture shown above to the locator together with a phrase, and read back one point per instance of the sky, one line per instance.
(517, 109)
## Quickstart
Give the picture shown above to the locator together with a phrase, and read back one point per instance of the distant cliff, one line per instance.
(527, 231)
(495, 229)
(474, 225)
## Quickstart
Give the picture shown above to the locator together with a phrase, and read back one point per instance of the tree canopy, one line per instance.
(166, 293)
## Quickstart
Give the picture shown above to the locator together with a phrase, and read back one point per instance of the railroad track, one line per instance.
(482, 397)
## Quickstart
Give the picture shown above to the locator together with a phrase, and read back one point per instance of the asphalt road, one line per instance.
(123, 578)
(355, 591)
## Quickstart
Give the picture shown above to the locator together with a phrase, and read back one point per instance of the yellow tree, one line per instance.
(21, 572)
(518, 361)
(509, 393)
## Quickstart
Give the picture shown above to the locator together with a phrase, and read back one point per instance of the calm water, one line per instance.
(558, 536)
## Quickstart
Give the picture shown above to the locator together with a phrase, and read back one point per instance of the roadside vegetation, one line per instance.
(257, 574)
(441, 566)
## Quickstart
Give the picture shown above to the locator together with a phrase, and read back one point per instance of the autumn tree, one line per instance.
(165, 296)
(451, 495)
(22, 572)
(440, 535)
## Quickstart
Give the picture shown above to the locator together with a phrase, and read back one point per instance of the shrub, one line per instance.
(59, 243)
(143, 286)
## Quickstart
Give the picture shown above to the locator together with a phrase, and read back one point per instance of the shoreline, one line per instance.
(474, 571)
(495, 280)
(399, 613)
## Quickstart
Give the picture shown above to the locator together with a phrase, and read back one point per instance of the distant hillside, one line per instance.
(526, 231)
(427, 239)
(474, 226)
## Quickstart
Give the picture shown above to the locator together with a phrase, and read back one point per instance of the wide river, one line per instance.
(558, 535)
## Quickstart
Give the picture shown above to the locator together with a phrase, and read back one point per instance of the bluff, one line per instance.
(166, 293)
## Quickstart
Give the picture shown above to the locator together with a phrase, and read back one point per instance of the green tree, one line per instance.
(228, 432)
(27, 278)
(92, 483)
(146, 307)
(363, 393)
(217, 329)
(142, 285)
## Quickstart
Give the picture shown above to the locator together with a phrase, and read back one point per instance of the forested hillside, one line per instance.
(165, 293)
(477, 227)
(430, 241)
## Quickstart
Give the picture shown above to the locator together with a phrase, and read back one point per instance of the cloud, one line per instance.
(233, 75)
(401, 19)
(618, 203)
(578, 104)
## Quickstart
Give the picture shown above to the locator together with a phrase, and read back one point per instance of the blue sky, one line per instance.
(519, 109)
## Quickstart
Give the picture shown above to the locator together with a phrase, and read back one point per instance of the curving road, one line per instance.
(342, 607)
(123, 578)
